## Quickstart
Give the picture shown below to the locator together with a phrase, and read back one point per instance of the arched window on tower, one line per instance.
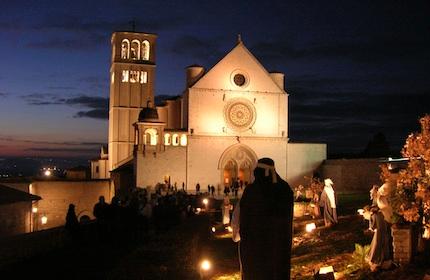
(175, 140)
(151, 136)
(145, 50)
(135, 49)
(167, 139)
(125, 49)
(183, 140)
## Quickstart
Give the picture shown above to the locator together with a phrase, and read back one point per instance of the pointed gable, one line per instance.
(239, 70)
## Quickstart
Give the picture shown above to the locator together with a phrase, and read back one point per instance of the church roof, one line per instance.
(10, 195)
(238, 61)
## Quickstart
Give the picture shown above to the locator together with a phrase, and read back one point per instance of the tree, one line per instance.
(412, 194)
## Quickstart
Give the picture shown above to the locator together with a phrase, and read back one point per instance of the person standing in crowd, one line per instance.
(72, 223)
(328, 202)
(265, 225)
(379, 255)
(226, 210)
(198, 188)
(101, 213)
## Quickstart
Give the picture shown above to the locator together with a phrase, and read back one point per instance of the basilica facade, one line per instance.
(227, 118)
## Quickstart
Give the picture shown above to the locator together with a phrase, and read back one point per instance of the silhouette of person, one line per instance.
(72, 224)
(265, 225)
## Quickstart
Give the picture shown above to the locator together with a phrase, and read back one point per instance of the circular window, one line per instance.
(239, 114)
(239, 79)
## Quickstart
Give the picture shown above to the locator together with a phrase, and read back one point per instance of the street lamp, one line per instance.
(44, 220)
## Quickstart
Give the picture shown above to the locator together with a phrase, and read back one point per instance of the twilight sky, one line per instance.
(353, 68)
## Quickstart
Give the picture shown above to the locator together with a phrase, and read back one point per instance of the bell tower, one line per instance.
(132, 76)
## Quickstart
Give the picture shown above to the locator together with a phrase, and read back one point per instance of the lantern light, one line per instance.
(310, 227)
(205, 265)
(205, 201)
(34, 210)
(44, 220)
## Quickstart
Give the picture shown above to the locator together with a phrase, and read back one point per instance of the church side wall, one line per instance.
(151, 169)
(303, 160)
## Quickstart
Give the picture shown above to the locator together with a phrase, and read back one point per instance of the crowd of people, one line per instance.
(137, 212)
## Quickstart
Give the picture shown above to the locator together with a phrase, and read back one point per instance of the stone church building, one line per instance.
(227, 118)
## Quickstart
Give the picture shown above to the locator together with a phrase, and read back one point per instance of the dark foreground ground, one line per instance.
(175, 253)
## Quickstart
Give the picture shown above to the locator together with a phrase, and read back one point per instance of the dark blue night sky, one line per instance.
(353, 68)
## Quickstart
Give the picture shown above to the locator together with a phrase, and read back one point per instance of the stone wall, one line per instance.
(15, 218)
(57, 195)
(352, 174)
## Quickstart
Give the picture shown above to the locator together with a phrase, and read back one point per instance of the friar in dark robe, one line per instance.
(266, 216)
(380, 250)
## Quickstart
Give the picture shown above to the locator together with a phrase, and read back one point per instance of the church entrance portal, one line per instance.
(237, 162)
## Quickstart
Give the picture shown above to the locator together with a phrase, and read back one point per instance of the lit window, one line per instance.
(143, 77)
(167, 139)
(134, 76)
(125, 49)
(183, 140)
(151, 136)
(135, 49)
(175, 140)
(124, 76)
(145, 50)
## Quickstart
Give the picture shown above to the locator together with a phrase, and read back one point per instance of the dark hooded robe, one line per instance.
(266, 215)
(380, 246)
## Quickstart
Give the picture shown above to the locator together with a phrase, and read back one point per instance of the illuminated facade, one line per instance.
(214, 133)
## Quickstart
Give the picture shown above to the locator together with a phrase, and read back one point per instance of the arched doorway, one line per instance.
(230, 172)
(237, 161)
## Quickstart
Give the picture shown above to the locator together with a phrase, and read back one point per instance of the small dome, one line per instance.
(148, 115)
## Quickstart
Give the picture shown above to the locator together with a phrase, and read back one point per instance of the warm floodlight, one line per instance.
(310, 227)
(326, 273)
(44, 220)
(205, 201)
(205, 265)
(34, 210)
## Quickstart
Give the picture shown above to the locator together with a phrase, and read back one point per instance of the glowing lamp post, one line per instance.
(205, 203)
(310, 227)
(205, 267)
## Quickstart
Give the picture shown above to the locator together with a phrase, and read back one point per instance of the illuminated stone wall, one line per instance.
(352, 174)
(57, 195)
